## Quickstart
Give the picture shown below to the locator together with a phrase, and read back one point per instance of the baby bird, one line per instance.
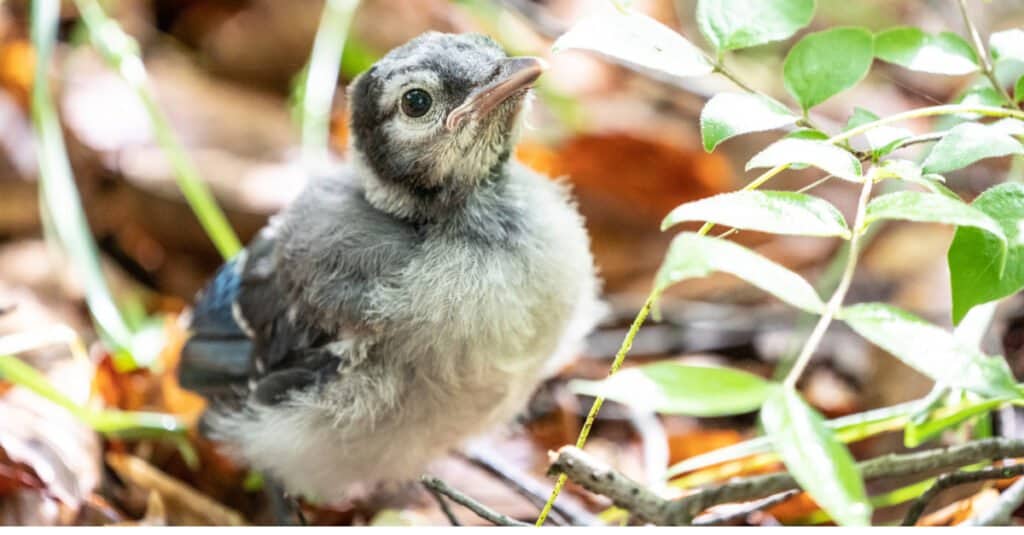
(406, 302)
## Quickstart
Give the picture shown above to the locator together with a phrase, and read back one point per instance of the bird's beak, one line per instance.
(517, 74)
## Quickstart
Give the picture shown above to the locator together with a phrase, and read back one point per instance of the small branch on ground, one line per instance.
(642, 502)
(742, 511)
(442, 504)
(481, 510)
(957, 478)
(999, 515)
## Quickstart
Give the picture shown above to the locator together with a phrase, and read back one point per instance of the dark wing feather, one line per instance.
(241, 336)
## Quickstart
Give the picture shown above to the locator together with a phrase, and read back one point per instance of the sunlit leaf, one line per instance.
(673, 388)
(819, 462)
(1007, 44)
(967, 143)
(731, 114)
(933, 208)
(638, 40)
(945, 53)
(820, 154)
(919, 433)
(878, 138)
(974, 269)
(825, 63)
(692, 255)
(779, 212)
(732, 24)
(930, 350)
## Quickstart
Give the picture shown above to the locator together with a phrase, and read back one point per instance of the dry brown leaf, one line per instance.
(174, 492)
(17, 63)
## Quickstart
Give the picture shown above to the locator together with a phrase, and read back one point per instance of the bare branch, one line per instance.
(742, 511)
(481, 510)
(628, 494)
(957, 478)
(999, 515)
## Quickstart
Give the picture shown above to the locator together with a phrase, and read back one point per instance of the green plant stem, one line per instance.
(620, 357)
(979, 50)
(322, 79)
(836, 301)
(60, 203)
(121, 52)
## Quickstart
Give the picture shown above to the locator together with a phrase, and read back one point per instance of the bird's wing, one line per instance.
(240, 335)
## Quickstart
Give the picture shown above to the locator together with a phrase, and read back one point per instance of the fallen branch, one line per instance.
(952, 480)
(1000, 515)
(481, 510)
(742, 511)
(628, 494)
(443, 505)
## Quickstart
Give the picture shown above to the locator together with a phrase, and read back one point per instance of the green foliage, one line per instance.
(945, 53)
(881, 140)
(638, 40)
(826, 63)
(975, 276)
(1018, 90)
(968, 143)
(692, 255)
(931, 350)
(731, 114)
(779, 212)
(109, 422)
(818, 461)
(934, 208)
(733, 24)
(985, 259)
(1007, 45)
(673, 388)
(820, 154)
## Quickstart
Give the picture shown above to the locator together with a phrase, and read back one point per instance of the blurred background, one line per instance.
(229, 75)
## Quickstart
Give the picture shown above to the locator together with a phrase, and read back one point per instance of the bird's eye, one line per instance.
(416, 102)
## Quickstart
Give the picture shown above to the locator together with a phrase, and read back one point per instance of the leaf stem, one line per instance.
(121, 52)
(836, 301)
(322, 78)
(979, 49)
(620, 357)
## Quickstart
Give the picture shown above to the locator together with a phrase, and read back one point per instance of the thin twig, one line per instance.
(742, 511)
(836, 301)
(979, 49)
(999, 515)
(442, 504)
(954, 479)
(628, 494)
(571, 513)
(478, 508)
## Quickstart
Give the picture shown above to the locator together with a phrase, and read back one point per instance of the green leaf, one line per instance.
(731, 114)
(692, 255)
(967, 143)
(779, 212)
(879, 138)
(919, 433)
(933, 208)
(825, 63)
(980, 95)
(1008, 44)
(818, 461)
(637, 40)
(732, 24)
(1018, 91)
(911, 172)
(673, 388)
(930, 350)
(974, 272)
(945, 53)
(820, 154)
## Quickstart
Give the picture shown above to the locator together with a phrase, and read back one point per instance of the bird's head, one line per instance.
(437, 117)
